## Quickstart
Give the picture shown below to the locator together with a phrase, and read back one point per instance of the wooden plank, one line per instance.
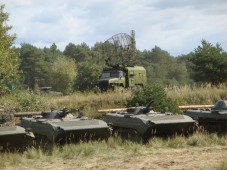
(180, 107)
(112, 110)
(194, 106)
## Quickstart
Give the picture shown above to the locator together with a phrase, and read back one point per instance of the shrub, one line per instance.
(154, 94)
(23, 101)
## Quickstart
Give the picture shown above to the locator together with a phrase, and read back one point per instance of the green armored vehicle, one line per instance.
(147, 123)
(213, 119)
(59, 126)
(13, 137)
(122, 76)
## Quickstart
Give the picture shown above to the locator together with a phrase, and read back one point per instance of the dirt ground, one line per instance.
(162, 158)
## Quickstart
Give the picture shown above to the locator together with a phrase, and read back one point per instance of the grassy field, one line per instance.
(89, 155)
(158, 153)
(203, 94)
(90, 102)
(87, 102)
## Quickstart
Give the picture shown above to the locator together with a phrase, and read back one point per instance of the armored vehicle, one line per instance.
(211, 119)
(60, 126)
(123, 77)
(13, 137)
(147, 123)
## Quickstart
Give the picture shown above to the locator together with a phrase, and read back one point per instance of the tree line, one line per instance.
(79, 66)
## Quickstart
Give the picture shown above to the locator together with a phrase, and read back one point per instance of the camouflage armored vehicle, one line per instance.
(13, 137)
(211, 119)
(147, 123)
(60, 126)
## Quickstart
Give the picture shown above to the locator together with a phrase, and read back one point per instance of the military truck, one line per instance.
(121, 70)
(122, 77)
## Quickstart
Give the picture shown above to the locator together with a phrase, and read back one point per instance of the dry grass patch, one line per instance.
(91, 102)
(197, 94)
(170, 153)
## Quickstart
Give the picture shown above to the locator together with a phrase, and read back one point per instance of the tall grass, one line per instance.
(184, 95)
(221, 166)
(114, 148)
(197, 94)
(23, 101)
(90, 102)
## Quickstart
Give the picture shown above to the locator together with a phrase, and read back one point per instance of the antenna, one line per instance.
(120, 49)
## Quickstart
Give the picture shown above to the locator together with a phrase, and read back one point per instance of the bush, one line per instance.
(154, 94)
(30, 102)
(23, 101)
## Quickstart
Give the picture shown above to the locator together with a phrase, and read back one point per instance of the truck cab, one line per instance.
(111, 78)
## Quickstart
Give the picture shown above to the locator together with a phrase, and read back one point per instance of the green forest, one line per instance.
(78, 66)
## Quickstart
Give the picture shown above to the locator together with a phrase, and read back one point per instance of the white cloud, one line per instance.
(175, 26)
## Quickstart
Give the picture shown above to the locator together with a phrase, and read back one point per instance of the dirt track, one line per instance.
(162, 158)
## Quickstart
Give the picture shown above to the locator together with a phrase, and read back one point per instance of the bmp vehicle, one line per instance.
(13, 137)
(60, 126)
(213, 119)
(123, 77)
(147, 123)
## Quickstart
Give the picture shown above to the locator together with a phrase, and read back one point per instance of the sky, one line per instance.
(176, 26)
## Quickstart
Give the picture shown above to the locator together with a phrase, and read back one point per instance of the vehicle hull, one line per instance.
(67, 130)
(14, 138)
(151, 124)
(210, 120)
